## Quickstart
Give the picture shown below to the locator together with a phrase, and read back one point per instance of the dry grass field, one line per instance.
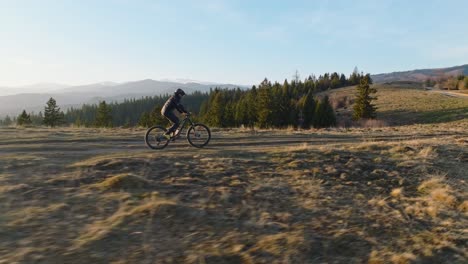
(393, 194)
(403, 105)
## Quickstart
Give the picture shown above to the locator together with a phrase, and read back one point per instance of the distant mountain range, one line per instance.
(34, 97)
(420, 75)
(75, 96)
(33, 88)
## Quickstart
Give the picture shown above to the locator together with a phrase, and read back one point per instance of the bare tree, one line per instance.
(296, 77)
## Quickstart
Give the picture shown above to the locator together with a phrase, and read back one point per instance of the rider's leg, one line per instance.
(174, 120)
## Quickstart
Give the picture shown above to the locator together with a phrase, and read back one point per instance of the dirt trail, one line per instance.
(449, 93)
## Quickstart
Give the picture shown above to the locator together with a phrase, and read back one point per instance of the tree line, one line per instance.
(144, 111)
(52, 117)
(128, 113)
(275, 105)
(268, 105)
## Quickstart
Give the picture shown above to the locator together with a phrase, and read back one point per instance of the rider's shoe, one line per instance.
(167, 136)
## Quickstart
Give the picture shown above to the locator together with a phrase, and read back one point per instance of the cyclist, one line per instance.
(173, 103)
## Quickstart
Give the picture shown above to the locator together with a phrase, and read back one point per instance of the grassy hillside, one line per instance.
(361, 195)
(402, 105)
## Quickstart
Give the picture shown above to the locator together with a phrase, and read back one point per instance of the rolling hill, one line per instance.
(77, 95)
(67, 96)
(420, 75)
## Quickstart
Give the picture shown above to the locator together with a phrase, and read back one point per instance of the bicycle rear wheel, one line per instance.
(154, 137)
(198, 135)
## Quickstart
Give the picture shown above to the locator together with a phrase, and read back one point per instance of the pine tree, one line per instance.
(241, 112)
(285, 104)
(264, 101)
(156, 118)
(78, 122)
(52, 114)
(252, 106)
(103, 116)
(276, 117)
(343, 81)
(293, 113)
(307, 105)
(324, 114)
(204, 109)
(36, 120)
(7, 121)
(215, 113)
(23, 119)
(363, 107)
(354, 78)
(296, 77)
(228, 115)
(329, 113)
(335, 80)
(145, 120)
(318, 115)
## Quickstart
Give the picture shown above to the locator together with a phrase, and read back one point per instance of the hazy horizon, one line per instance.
(50, 87)
(236, 42)
(185, 80)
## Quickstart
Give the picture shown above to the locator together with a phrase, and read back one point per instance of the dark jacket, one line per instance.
(173, 103)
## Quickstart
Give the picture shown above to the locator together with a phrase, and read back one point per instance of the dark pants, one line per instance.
(174, 120)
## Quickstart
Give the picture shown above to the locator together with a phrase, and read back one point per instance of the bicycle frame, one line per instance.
(182, 125)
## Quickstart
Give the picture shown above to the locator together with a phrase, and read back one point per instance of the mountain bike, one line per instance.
(198, 135)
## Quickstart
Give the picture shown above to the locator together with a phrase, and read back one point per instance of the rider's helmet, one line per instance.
(179, 92)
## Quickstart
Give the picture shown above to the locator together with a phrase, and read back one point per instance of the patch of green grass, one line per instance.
(444, 115)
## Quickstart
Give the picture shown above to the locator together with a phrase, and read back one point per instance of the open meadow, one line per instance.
(392, 194)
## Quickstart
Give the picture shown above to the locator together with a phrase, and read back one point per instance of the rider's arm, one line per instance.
(181, 108)
(178, 105)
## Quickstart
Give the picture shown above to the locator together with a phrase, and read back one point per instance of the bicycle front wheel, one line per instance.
(198, 135)
(154, 137)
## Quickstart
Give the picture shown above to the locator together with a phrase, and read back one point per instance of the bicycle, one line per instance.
(198, 135)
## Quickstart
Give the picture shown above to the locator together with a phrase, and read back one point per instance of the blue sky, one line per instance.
(87, 41)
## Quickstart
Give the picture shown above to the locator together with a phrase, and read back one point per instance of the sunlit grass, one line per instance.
(377, 195)
(396, 105)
